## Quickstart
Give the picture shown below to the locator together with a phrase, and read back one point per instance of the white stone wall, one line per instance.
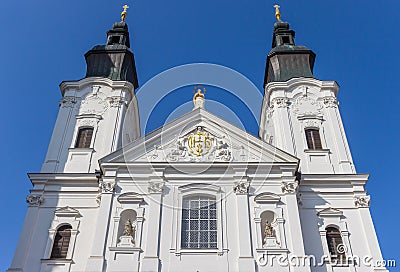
(290, 107)
(95, 102)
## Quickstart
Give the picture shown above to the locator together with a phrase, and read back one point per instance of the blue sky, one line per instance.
(356, 43)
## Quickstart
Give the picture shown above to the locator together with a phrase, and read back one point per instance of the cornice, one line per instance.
(82, 83)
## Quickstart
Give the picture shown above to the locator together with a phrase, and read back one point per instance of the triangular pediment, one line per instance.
(330, 212)
(199, 136)
(67, 212)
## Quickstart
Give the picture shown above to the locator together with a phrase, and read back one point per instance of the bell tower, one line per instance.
(90, 122)
(300, 113)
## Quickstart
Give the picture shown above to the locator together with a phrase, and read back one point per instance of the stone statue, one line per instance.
(269, 230)
(128, 229)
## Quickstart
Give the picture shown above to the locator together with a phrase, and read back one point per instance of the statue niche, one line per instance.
(127, 229)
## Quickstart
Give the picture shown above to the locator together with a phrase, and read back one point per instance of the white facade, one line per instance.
(263, 207)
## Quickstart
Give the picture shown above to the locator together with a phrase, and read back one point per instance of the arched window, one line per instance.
(336, 247)
(313, 138)
(61, 242)
(199, 222)
(84, 137)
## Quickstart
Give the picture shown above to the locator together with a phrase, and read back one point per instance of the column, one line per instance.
(296, 244)
(96, 259)
(246, 260)
(151, 261)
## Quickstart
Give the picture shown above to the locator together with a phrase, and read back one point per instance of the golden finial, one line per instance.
(277, 13)
(124, 13)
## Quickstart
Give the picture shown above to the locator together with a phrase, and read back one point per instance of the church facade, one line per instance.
(198, 194)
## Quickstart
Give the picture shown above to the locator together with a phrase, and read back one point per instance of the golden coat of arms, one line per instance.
(199, 142)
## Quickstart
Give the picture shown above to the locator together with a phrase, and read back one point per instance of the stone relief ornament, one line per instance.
(306, 105)
(280, 102)
(155, 186)
(115, 101)
(330, 102)
(362, 201)
(94, 103)
(107, 186)
(289, 187)
(34, 200)
(312, 123)
(241, 187)
(68, 102)
(200, 145)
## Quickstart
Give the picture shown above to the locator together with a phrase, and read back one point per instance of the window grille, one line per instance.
(313, 139)
(84, 138)
(199, 222)
(61, 242)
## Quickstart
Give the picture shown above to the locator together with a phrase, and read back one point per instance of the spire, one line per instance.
(114, 60)
(287, 60)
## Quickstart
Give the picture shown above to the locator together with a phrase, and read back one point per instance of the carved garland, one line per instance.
(289, 187)
(34, 200)
(362, 201)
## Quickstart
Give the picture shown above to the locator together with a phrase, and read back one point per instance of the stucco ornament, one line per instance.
(155, 186)
(330, 102)
(107, 186)
(241, 187)
(362, 201)
(279, 102)
(34, 200)
(289, 187)
(94, 103)
(307, 105)
(115, 101)
(68, 102)
(200, 145)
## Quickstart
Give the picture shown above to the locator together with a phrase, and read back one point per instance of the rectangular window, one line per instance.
(84, 138)
(199, 222)
(313, 139)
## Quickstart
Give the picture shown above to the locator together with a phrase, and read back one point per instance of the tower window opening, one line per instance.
(285, 39)
(84, 137)
(313, 139)
(115, 39)
(61, 242)
(335, 244)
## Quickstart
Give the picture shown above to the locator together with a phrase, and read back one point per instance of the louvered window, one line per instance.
(61, 242)
(199, 222)
(84, 137)
(336, 247)
(313, 139)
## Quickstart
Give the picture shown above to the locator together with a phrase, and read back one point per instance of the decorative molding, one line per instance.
(241, 187)
(94, 103)
(362, 201)
(330, 212)
(267, 198)
(155, 187)
(280, 102)
(199, 186)
(107, 186)
(289, 187)
(34, 200)
(67, 212)
(330, 102)
(199, 145)
(130, 197)
(67, 102)
(312, 123)
(115, 101)
(307, 105)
